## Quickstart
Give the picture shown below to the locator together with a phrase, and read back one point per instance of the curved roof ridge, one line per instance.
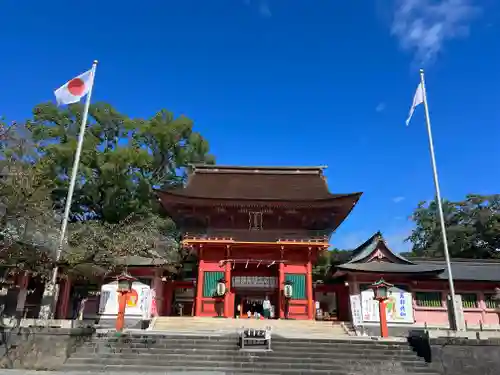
(369, 246)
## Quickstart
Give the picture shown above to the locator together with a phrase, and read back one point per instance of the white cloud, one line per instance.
(398, 199)
(380, 107)
(263, 7)
(396, 241)
(423, 26)
(350, 240)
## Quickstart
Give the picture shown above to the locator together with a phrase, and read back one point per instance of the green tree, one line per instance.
(115, 213)
(115, 245)
(327, 260)
(123, 159)
(28, 223)
(472, 226)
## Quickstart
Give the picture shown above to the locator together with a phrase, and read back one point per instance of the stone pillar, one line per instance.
(227, 298)
(310, 293)
(158, 288)
(482, 306)
(23, 293)
(199, 283)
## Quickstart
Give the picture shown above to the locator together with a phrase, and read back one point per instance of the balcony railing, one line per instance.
(243, 235)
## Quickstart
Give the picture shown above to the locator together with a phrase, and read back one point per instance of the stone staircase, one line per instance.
(149, 353)
(284, 328)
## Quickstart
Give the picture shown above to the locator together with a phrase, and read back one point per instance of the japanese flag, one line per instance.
(75, 89)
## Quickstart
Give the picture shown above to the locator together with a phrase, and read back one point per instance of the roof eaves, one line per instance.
(251, 168)
(376, 267)
(179, 192)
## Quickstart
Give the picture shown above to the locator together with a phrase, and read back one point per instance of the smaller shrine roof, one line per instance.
(467, 269)
(363, 251)
(375, 256)
(383, 267)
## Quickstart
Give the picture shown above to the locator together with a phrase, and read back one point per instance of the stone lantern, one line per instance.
(381, 293)
(124, 282)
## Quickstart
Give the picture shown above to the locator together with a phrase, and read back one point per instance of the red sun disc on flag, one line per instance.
(76, 87)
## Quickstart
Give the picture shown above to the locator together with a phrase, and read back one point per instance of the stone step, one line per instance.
(292, 350)
(215, 319)
(232, 342)
(158, 338)
(248, 357)
(361, 350)
(159, 352)
(163, 322)
(325, 331)
(158, 326)
(229, 330)
(340, 352)
(253, 362)
(226, 370)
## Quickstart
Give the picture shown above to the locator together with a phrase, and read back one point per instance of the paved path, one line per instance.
(23, 372)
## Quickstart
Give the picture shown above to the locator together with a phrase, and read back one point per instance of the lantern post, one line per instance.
(288, 294)
(220, 293)
(125, 282)
(5, 285)
(496, 297)
(381, 291)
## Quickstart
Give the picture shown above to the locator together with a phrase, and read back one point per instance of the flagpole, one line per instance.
(439, 202)
(52, 289)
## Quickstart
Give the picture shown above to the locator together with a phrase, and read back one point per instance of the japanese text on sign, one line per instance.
(262, 282)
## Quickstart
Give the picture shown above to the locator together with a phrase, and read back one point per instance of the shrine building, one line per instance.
(256, 228)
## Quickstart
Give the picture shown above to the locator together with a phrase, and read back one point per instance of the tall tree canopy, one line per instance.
(327, 260)
(473, 228)
(123, 160)
(28, 225)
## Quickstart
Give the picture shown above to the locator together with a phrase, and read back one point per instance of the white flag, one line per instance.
(75, 89)
(417, 99)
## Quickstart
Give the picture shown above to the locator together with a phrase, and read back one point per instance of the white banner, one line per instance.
(138, 300)
(399, 306)
(357, 317)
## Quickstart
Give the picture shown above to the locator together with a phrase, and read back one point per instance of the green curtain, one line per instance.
(298, 284)
(210, 279)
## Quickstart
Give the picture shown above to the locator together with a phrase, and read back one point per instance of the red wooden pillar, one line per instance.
(310, 293)
(281, 281)
(122, 304)
(384, 331)
(199, 284)
(168, 292)
(64, 299)
(228, 296)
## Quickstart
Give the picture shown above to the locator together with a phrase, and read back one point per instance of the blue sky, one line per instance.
(287, 82)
